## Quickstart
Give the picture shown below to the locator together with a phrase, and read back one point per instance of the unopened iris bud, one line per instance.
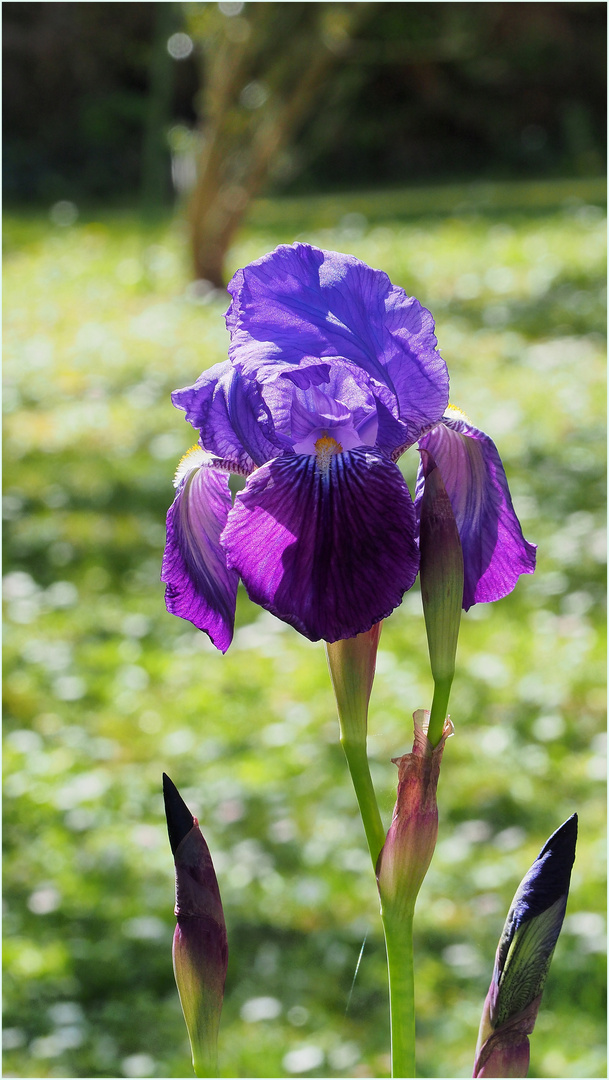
(412, 836)
(200, 949)
(523, 958)
(352, 663)
(441, 573)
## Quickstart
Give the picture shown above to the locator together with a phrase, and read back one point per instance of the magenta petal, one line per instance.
(200, 586)
(330, 550)
(495, 553)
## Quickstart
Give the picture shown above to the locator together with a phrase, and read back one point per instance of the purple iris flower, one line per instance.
(333, 373)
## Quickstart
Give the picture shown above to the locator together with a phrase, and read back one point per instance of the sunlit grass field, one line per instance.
(104, 690)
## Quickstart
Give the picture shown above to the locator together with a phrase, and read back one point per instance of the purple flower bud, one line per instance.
(441, 571)
(352, 663)
(200, 949)
(523, 958)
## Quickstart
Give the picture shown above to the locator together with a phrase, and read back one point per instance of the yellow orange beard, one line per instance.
(325, 449)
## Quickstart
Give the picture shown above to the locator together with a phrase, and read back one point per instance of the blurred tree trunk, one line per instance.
(264, 71)
(155, 154)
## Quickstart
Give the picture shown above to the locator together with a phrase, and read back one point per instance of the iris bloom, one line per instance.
(333, 373)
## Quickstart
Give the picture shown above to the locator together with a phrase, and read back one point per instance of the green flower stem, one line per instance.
(398, 939)
(357, 760)
(204, 1066)
(439, 709)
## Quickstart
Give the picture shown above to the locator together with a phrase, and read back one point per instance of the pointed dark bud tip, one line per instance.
(562, 843)
(543, 888)
(550, 874)
(179, 818)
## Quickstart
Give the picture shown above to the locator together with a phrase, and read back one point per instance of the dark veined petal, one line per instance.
(230, 415)
(299, 304)
(328, 548)
(200, 586)
(495, 552)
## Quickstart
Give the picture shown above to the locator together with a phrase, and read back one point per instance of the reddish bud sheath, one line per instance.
(411, 839)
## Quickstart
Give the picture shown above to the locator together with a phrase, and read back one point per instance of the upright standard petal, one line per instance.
(325, 542)
(300, 304)
(230, 415)
(342, 405)
(495, 552)
(200, 586)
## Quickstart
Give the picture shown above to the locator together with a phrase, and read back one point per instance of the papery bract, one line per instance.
(412, 836)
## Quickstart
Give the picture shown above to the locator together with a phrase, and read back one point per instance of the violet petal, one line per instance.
(343, 404)
(299, 304)
(495, 552)
(230, 415)
(200, 586)
(330, 550)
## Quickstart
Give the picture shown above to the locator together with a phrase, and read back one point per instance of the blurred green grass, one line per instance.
(104, 690)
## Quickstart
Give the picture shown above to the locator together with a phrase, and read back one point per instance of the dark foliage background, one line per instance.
(427, 91)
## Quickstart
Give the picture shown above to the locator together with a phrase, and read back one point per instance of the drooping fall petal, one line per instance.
(200, 586)
(495, 552)
(325, 542)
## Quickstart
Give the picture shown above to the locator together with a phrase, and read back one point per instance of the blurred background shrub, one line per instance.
(104, 690)
(423, 91)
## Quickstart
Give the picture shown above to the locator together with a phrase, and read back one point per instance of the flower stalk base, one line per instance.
(400, 871)
(352, 662)
(400, 964)
(357, 760)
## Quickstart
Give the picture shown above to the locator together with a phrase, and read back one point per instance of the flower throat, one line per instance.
(325, 449)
